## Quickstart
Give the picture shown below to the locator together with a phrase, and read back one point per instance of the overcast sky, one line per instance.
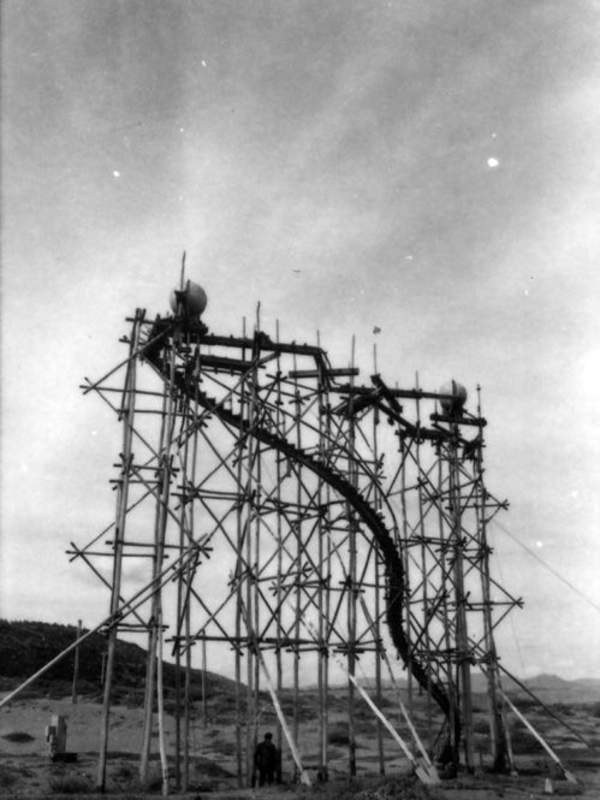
(427, 167)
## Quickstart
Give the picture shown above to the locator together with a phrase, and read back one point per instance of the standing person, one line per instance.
(278, 765)
(265, 760)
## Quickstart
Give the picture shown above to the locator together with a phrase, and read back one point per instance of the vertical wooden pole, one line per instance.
(76, 666)
(181, 593)
(404, 450)
(248, 445)
(351, 583)
(462, 641)
(187, 722)
(182, 600)
(164, 766)
(446, 583)
(239, 574)
(164, 473)
(128, 417)
(103, 668)
(178, 671)
(149, 693)
(189, 577)
(298, 536)
(377, 564)
(325, 576)
(204, 696)
(497, 734)
(278, 591)
(427, 640)
(322, 576)
(257, 460)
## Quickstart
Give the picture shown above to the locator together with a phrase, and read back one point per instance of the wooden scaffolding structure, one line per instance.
(285, 515)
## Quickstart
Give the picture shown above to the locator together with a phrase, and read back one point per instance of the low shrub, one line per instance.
(523, 742)
(563, 709)
(8, 776)
(125, 772)
(481, 726)
(210, 768)
(367, 727)
(227, 747)
(18, 736)
(387, 702)
(405, 788)
(338, 735)
(525, 703)
(70, 784)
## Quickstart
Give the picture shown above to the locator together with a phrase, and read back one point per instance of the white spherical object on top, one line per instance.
(457, 392)
(191, 300)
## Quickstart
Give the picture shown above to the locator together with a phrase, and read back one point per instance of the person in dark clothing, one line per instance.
(266, 760)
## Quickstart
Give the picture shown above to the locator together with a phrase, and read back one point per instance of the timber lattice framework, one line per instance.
(300, 525)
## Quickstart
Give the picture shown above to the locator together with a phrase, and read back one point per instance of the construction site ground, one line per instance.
(27, 771)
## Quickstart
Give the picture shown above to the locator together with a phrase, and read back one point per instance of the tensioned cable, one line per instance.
(511, 619)
(547, 566)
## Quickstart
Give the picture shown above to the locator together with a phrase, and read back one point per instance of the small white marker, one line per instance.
(493, 163)
(116, 173)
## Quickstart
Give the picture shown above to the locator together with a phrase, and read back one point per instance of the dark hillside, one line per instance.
(26, 646)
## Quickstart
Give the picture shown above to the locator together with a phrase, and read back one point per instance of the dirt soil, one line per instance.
(26, 770)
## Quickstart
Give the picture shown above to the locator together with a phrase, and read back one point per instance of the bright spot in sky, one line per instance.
(203, 62)
(494, 135)
(493, 163)
(116, 173)
(539, 544)
(181, 130)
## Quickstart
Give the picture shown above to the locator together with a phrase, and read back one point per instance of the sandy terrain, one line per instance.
(26, 770)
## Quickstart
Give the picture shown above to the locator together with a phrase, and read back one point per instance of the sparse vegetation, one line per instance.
(18, 736)
(526, 703)
(404, 788)
(225, 746)
(210, 768)
(125, 772)
(523, 742)
(8, 776)
(70, 784)
(481, 726)
(338, 735)
(563, 709)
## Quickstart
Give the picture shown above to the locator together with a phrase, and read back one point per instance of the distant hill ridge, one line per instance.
(549, 689)
(27, 646)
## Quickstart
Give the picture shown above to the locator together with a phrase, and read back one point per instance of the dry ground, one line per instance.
(26, 771)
